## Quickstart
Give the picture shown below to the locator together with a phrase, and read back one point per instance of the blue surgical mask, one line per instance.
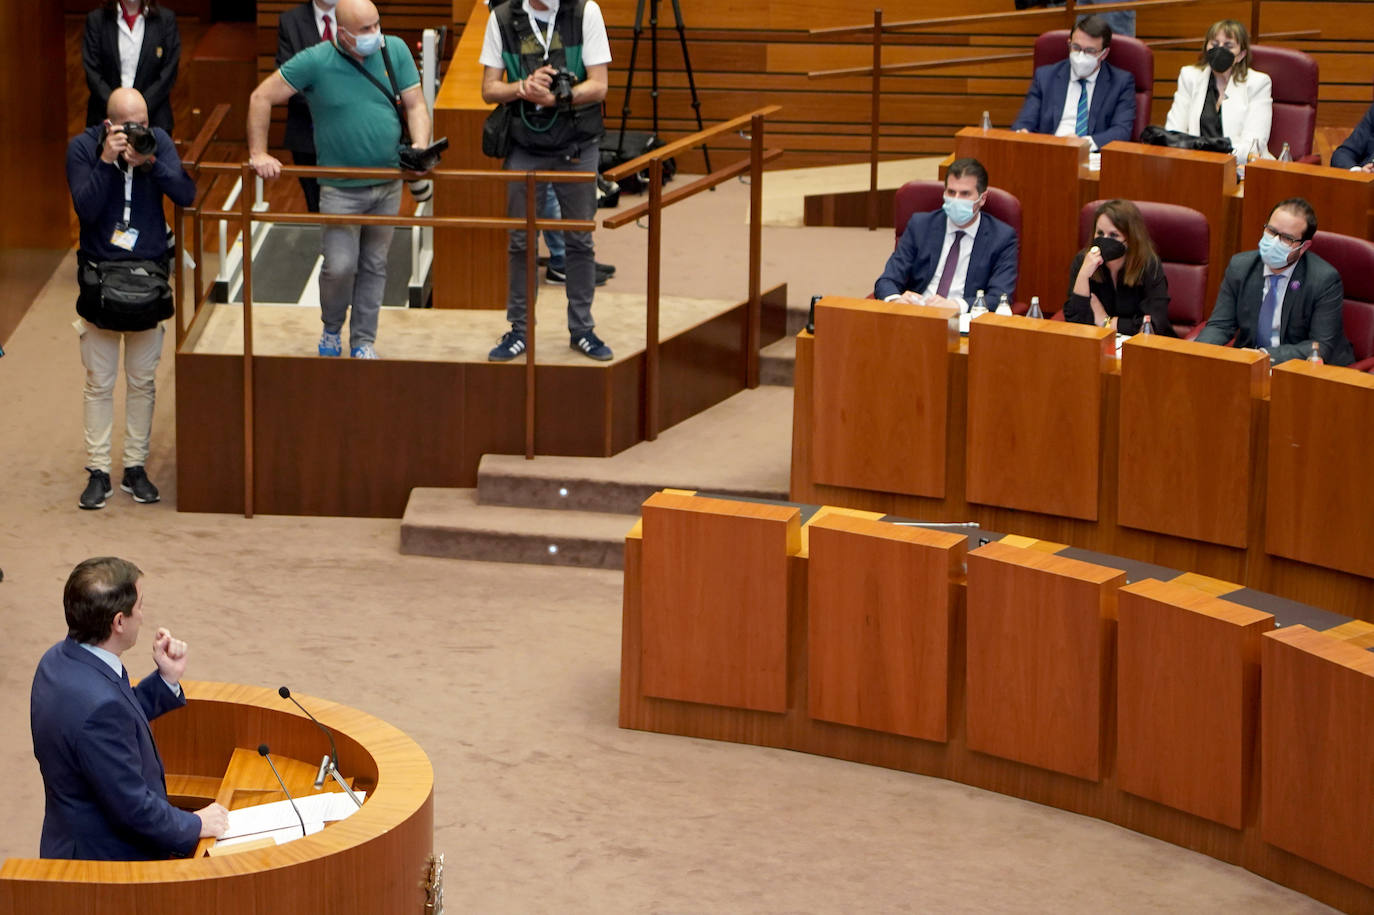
(960, 212)
(1273, 252)
(368, 44)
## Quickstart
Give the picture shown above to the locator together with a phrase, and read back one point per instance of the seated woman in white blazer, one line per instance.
(1220, 96)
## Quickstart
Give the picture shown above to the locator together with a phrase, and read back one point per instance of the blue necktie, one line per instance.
(1264, 333)
(1081, 126)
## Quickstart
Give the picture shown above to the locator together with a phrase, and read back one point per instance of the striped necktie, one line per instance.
(1081, 125)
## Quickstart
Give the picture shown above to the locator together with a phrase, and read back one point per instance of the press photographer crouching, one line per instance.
(118, 172)
(545, 64)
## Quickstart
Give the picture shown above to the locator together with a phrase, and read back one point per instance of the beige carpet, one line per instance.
(507, 676)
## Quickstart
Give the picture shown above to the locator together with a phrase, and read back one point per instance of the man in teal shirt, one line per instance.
(356, 124)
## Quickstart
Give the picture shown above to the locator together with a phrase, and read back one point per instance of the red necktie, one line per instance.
(130, 19)
(326, 35)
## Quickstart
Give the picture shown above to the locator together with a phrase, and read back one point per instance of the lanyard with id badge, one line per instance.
(126, 236)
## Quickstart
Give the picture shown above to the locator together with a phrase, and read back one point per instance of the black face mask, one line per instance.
(1220, 59)
(1109, 248)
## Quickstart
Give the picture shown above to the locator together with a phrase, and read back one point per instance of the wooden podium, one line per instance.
(1043, 172)
(1204, 181)
(1343, 199)
(1174, 483)
(1035, 414)
(376, 860)
(866, 352)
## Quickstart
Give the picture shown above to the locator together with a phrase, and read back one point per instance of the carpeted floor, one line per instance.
(507, 676)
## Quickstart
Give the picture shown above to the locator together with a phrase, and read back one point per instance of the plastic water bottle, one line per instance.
(980, 305)
(1316, 356)
(1254, 152)
(1034, 310)
(1286, 154)
(1004, 305)
(1146, 327)
(987, 121)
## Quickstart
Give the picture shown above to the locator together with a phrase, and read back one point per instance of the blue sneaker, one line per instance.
(331, 344)
(590, 345)
(507, 348)
(363, 352)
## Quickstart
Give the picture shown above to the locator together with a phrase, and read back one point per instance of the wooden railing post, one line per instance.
(875, 120)
(1254, 20)
(754, 332)
(531, 289)
(246, 233)
(651, 313)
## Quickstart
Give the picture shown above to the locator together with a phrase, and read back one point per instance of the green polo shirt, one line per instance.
(355, 124)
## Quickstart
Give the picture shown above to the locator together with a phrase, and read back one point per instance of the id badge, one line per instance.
(124, 237)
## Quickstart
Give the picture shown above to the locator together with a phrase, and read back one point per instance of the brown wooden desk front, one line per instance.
(373, 861)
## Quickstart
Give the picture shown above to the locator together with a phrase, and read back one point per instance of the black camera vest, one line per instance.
(546, 130)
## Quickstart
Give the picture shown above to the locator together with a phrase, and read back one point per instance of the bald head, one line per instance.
(127, 105)
(357, 15)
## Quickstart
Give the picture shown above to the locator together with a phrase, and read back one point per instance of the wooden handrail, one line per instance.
(682, 192)
(696, 139)
(441, 222)
(1042, 13)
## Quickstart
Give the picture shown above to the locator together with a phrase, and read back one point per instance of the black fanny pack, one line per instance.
(134, 294)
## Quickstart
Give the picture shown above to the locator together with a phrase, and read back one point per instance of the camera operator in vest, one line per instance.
(118, 173)
(548, 60)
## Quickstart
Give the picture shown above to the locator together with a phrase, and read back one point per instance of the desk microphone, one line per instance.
(262, 751)
(330, 765)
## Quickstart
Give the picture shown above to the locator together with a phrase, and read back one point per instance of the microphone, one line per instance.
(262, 751)
(332, 761)
(331, 764)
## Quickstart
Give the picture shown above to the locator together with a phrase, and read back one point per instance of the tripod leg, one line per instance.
(630, 78)
(653, 59)
(691, 80)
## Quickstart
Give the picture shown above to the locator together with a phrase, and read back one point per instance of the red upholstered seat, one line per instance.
(1295, 98)
(925, 196)
(1353, 258)
(1182, 239)
(1129, 54)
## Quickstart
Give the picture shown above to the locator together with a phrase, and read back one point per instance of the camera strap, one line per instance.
(393, 95)
(128, 171)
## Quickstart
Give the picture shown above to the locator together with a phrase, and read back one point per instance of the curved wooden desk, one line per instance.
(374, 861)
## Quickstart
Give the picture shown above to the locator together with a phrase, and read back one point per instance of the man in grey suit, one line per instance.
(1282, 298)
(297, 29)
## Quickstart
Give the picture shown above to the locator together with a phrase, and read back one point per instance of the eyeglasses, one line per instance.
(1079, 49)
(1288, 240)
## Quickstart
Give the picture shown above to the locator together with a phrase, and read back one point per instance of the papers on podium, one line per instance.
(277, 821)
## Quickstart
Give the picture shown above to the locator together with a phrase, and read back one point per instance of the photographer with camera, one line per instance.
(364, 95)
(118, 173)
(547, 61)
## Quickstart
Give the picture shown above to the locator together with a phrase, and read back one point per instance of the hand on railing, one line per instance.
(265, 164)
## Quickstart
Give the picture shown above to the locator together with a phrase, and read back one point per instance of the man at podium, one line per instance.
(1082, 95)
(1282, 298)
(955, 251)
(106, 794)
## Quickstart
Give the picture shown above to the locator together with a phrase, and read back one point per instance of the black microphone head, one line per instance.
(262, 749)
(284, 692)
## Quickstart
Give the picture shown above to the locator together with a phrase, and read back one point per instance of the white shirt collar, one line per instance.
(109, 657)
(1286, 272)
(970, 230)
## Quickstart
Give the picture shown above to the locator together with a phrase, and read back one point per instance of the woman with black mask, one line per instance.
(1118, 280)
(1221, 96)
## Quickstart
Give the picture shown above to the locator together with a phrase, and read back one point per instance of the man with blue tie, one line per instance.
(954, 251)
(1082, 95)
(1282, 298)
(106, 791)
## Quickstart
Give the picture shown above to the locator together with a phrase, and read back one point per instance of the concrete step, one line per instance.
(452, 524)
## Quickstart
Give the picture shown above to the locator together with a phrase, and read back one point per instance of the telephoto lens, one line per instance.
(421, 190)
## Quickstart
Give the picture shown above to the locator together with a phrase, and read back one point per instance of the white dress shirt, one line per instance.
(1286, 276)
(319, 20)
(130, 47)
(1068, 121)
(956, 286)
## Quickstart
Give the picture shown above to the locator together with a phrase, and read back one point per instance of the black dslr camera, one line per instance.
(562, 88)
(141, 139)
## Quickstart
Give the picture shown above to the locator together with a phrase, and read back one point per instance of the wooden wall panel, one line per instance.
(33, 145)
(881, 600)
(1188, 681)
(1039, 653)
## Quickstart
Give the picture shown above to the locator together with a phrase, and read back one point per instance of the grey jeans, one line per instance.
(355, 258)
(577, 201)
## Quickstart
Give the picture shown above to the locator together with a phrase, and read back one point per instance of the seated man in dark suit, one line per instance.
(1082, 95)
(1357, 152)
(105, 786)
(954, 251)
(1282, 298)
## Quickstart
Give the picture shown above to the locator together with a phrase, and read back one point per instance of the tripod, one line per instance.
(653, 64)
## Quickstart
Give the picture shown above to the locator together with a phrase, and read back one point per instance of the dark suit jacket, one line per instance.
(157, 63)
(1358, 148)
(1312, 311)
(296, 31)
(991, 266)
(103, 778)
(1128, 304)
(1111, 116)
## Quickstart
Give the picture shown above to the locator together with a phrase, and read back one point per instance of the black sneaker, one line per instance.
(510, 345)
(558, 276)
(137, 484)
(97, 490)
(607, 270)
(590, 345)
